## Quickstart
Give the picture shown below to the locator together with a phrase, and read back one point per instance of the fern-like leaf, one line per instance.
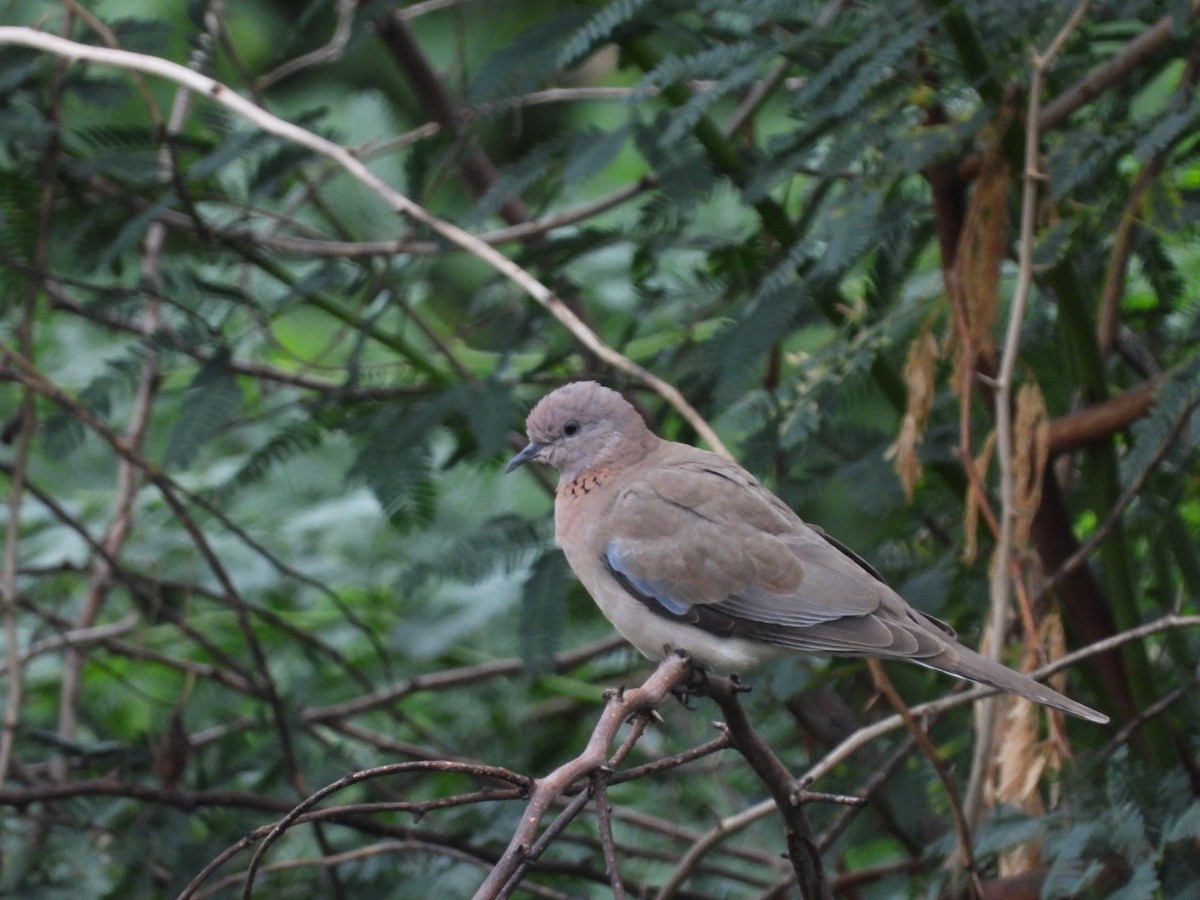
(395, 463)
(527, 62)
(1175, 401)
(212, 399)
(543, 611)
(503, 544)
(597, 31)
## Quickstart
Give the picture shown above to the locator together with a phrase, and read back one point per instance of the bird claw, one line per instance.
(695, 685)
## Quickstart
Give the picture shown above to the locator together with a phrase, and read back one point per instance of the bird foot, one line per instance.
(735, 682)
(695, 685)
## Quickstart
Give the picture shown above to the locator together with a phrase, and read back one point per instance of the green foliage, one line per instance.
(210, 402)
(758, 207)
(1138, 844)
(1174, 403)
(598, 31)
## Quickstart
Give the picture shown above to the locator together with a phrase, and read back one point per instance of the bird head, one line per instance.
(583, 426)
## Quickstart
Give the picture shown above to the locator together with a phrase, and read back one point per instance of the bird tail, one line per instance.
(966, 663)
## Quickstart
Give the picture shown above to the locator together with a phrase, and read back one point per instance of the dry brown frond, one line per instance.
(920, 371)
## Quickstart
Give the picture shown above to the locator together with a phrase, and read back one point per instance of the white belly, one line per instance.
(655, 636)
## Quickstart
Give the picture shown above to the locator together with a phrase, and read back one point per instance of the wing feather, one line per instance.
(708, 545)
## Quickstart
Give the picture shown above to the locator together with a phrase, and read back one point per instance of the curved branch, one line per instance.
(864, 736)
(220, 93)
(329, 52)
(1111, 71)
(620, 706)
(1000, 590)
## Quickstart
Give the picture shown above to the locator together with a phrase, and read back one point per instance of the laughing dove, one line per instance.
(683, 549)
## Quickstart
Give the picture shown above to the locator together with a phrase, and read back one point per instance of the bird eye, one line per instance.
(571, 428)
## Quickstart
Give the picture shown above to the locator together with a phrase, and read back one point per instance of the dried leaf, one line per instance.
(974, 502)
(1031, 452)
(981, 252)
(920, 370)
(1022, 758)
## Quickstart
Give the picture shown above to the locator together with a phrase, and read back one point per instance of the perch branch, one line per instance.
(620, 706)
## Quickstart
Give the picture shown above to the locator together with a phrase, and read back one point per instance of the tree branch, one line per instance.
(620, 706)
(219, 93)
(801, 840)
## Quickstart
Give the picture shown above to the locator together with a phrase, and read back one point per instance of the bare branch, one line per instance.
(330, 52)
(620, 705)
(219, 93)
(1001, 587)
(1126, 60)
(865, 735)
(801, 840)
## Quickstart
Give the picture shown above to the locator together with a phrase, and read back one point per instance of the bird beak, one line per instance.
(532, 451)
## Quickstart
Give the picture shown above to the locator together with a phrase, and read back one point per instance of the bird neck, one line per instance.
(610, 453)
(581, 485)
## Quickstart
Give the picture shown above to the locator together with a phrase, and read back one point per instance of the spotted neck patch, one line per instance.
(585, 483)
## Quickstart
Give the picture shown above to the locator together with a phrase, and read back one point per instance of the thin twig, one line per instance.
(604, 820)
(962, 827)
(329, 52)
(1000, 585)
(620, 706)
(26, 418)
(865, 735)
(1110, 72)
(801, 839)
(28, 375)
(313, 799)
(220, 93)
(878, 778)
(1157, 708)
(1128, 495)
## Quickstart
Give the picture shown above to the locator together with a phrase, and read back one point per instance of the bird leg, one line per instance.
(694, 685)
(735, 682)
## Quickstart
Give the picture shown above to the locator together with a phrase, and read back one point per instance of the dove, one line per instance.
(684, 550)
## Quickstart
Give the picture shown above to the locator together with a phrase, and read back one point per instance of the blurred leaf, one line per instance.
(211, 401)
(542, 617)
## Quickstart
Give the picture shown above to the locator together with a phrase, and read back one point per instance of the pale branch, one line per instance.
(1000, 586)
(427, 6)
(701, 844)
(756, 856)
(597, 792)
(865, 735)
(29, 376)
(317, 246)
(73, 51)
(75, 638)
(620, 706)
(9, 588)
(25, 421)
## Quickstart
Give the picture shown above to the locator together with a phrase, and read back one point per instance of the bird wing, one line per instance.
(699, 540)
